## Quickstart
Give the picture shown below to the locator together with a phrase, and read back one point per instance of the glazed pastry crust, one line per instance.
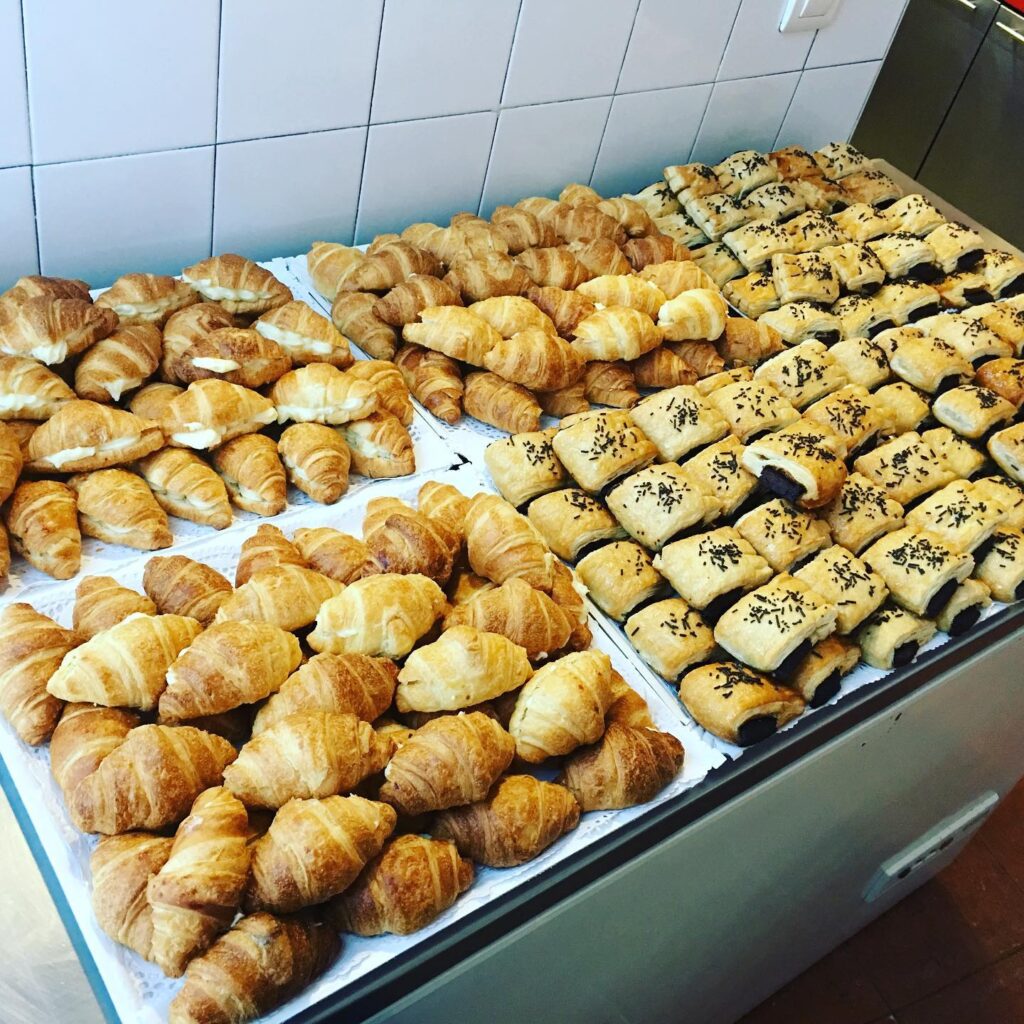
(523, 466)
(670, 637)
(782, 534)
(570, 520)
(597, 448)
(889, 629)
(845, 581)
(658, 502)
(619, 576)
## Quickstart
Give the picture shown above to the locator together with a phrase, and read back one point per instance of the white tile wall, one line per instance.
(343, 119)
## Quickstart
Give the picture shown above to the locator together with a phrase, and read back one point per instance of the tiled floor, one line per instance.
(951, 953)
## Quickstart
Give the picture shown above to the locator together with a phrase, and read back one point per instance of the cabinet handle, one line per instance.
(1010, 31)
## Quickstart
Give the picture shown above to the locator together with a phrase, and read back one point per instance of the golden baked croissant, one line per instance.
(565, 593)
(22, 431)
(408, 542)
(121, 868)
(380, 615)
(231, 663)
(258, 965)
(146, 298)
(181, 586)
(577, 194)
(554, 267)
(697, 314)
(287, 596)
(118, 507)
(83, 738)
(623, 290)
(345, 831)
(565, 401)
(316, 459)
(494, 400)
(501, 544)
(676, 276)
(238, 284)
(101, 602)
(352, 313)
(628, 708)
(615, 332)
(630, 214)
(186, 487)
(253, 474)
(433, 379)
(442, 501)
(378, 509)
(389, 265)
(341, 683)
(455, 331)
(541, 206)
(600, 256)
(11, 461)
(150, 402)
(335, 554)
(321, 393)
(150, 779)
(380, 446)
(29, 390)
(119, 363)
(328, 262)
(747, 342)
(642, 252)
(662, 368)
(31, 649)
(629, 766)
(305, 335)
(486, 275)
(519, 820)
(522, 229)
(266, 548)
(403, 889)
(52, 329)
(33, 286)
(586, 221)
(451, 760)
(403, 303)
(703, 356)
(388, 382)
(195, 895)
(463, 667)
(304, 755)
(611, 383)
(239, 355)
(210, 412)
(186, 327)
(42, 517)
(124, 665)
(528, 617)
(564, 308)
(537, 359)
(510, 314)
(563, 706)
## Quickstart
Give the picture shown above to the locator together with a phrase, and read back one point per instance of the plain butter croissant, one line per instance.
(433, 379)
(85, 735)
(501, 403)
(536, 359)
(101, 602)
(180, 586)
(407, 542)
(283, 595)
(327, 263)
(266, 548)
(352, 313)
(501, 544)
(454, 331)
(340, 556)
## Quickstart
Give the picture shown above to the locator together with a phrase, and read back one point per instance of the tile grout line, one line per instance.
(366, 136)
(714, 81)
(31, 142)
(216, 122)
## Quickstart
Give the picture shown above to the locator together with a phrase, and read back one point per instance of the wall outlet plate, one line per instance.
(956, 829)
(807, 15)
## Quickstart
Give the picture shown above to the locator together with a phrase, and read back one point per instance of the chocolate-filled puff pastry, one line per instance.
(1007, 449)
(599, 447)
(619, 577)
(718, 473)
(872, 187)
(860, 316)
(960, 457)
(752, 408)
(906, 303)
(892, 637)
(863, 361)
(744, 171)
(736, 704)
(812, 231)
(525, 465)
(972, 411)
(796, 322)
(964, 608)
(1003, 272)
(958, 515)
(857, 267)
(752, 294)
(842, 578)
(963, 289)
(915, 215)
(928, 363)
(902, 408)
(850, 413)
(920, 569)
(956, 246)
(678, 225)
(783, 535)
(718, 261)
(794, 162)
(821, 194)
(905, 255)
(755, 242)
(1005, 377)
(1002, 568)
(802, 463)
(861, 513)
(802, 374)
(670, 636)
(717, 381)
(776, 201)
(819, 676)
(772, 628)
(712, 570)
(839, 159)
(691, 180)
(571, 521)
(678, 420)
(905, 467)
(1005, 493)
(806, 276)
(659, 502)
(716, 214)
(861, 222)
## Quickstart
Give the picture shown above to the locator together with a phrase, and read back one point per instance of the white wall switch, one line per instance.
(807, 15)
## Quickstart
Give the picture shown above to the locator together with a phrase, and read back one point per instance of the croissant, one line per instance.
(335, 554)
(258, 965)
(11, 461)
(565, 401)
(486, 275)
(253, 475)
(340, 683)
(554, 267)
(676, 276)
(239, 355)
(565, 309)
(630, 214)
(510, 314)
(698, 314)
(388, 382)
(522, 230)
(540, 206)
(402, 304)
(31, 649)
(576, 194)
(378, 509)
(507, 406)
(121, 868)
(408, 542)
(149, 780)
(33, 286)
(600, 256)
(642, 252)
(28, 390)
(101, 602)
(518, 821)
(82, 436)
(146, 298)
(266, 548)
(433, 379)
(616, 332)
(185, 328)
(611, 383)
(628, 708)
(180, 586)
(537, 359)
(42, 518)
(662, 368)
(316, 459)
(83, 738)
(586, 222)
(747, 342)
(118, 507)
(501, 544)
(287, 596)
(322, 393)
(629, 766)
(119, 363)
(327, 263)
(195, 895)
(454, 331)
(403, 889)
(150, 402)
(390, 264)
(380, 615)
(345, 831)
(52, 329)
(210, 412)
(230, 664)
(701, 355)
(186, 487)
(352, 313)
(304, 335)
(238, 284)
(446, 503)
(304, 755)
(565, 594)
(622, 290)
(563, 706)
(380, 446)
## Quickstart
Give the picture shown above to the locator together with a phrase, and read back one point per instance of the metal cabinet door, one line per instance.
(977, 160)
(926, 64)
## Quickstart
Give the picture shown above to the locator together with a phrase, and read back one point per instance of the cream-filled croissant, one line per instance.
(210, 412)
(236, 354)
(150, 402)
(119, 363)
(186, 487)
(53, 329)
(322, 393)
(118, 507)
(42, 518)
(316, 460)
(28, 390)
(253, 474)
(238, 284)
(305, 335)
(147, 298)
